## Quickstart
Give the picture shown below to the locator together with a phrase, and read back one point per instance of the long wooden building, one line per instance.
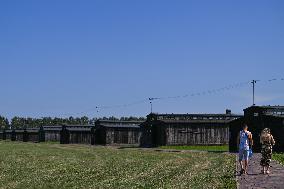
(24, 135)
(8, 134)
(117, 132)
(257, 118)
(77, 134)
(52, 133)
(186, 129)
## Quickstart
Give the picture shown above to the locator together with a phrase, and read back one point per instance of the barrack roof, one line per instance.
(121, 126)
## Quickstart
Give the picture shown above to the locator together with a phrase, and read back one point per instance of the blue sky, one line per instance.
(63, 58)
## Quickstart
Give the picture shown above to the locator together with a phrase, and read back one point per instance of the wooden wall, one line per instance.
(19, 135)
(8, 135)
(196, 134)
(276, 125)
(146, 139)
(81, 137)
(122, 136)
(33, 136)
(78, 134)
(24, 135)
(117, 132)
(2, 135)
(52, 135)
(234, 129)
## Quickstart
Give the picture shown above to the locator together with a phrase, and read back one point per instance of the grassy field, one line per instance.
(279, 158)
(224, 148)
(28, 165)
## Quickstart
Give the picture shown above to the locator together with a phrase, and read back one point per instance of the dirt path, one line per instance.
(255, 180)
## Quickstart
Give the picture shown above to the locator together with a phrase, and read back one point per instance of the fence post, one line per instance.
(13, 135)
(64, 135)
(93, 136)
(41, 134)
(25, 135)
(4, 134)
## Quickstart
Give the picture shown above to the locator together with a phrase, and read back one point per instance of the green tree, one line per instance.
(18, 122)
(4, 123)
(84, 120)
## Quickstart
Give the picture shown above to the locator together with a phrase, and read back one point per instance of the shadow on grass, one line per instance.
(169, 150)
(216, 152)
(128, 147)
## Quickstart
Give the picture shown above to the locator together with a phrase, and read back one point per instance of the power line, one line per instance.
(190, 95)
(151, 99)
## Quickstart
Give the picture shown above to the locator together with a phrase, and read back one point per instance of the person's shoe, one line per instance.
(267, 172)
(242, 171)
(262, 172)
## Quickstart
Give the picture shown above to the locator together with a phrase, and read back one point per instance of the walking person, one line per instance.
(267, 142)
(245, 142)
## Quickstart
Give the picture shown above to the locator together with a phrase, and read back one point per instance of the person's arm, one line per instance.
(250, 140)
(272, 141)
(238, 140)
(260, 139)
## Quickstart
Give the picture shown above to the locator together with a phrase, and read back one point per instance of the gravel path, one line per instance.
(256, 180)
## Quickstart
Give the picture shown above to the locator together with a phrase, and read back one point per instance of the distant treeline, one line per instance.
(20, 122)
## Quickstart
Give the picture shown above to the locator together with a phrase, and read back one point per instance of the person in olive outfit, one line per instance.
(267, 142)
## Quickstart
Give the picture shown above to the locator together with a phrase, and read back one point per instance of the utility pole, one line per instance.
(151, 103)
(253, 91)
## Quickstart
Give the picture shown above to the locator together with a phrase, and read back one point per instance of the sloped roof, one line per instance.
(121, 126)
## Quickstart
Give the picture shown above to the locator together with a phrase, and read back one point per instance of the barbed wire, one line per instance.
(98, 108)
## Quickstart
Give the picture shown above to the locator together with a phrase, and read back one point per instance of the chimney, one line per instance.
(228, 112)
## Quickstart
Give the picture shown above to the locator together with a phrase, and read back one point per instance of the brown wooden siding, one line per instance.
(206, 134)
(80, 137)
(52, 136)
(122, 136)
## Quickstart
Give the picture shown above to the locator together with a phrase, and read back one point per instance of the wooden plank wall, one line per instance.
(8, 135)
(80, 137)
(52, 136)
(33, 137)
(205, 134)
(19, 136)
(122, 136)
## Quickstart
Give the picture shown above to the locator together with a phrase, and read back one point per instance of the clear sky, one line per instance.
(61, 58)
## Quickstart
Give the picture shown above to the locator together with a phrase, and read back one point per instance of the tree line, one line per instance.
(21, 122)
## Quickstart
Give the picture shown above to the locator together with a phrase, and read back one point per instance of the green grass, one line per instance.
(279, 157)
(223, 148)
(45, 165)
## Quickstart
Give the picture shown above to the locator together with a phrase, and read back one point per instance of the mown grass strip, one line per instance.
(279, 157)
(28, 165)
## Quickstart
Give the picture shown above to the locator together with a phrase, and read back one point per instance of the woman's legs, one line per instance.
(262, 169)
(263, 161)
(268, 160)
(267, 169)
(266, 153)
